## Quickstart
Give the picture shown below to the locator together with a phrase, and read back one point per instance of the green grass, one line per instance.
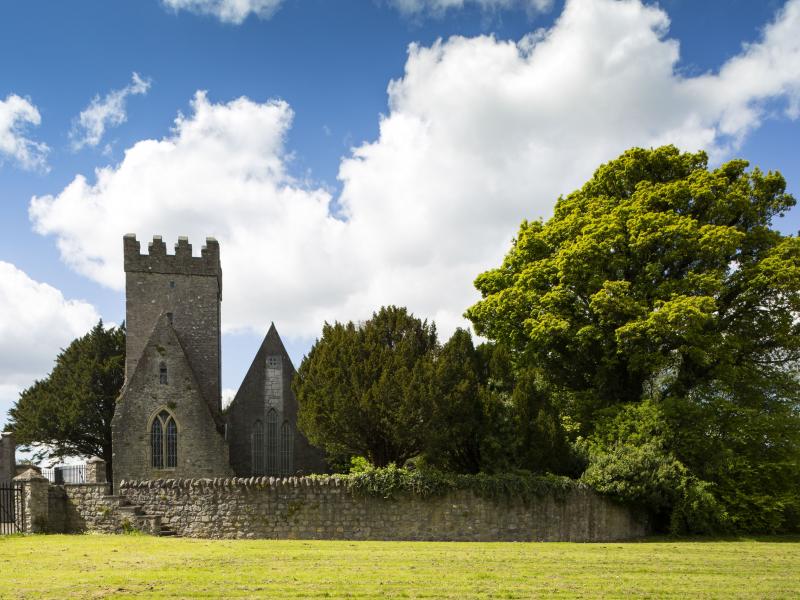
(95, 566)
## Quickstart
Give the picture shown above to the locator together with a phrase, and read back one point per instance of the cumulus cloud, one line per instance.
(439, 7)
(102, 113)
(36, 321)
(481, 133)
(15, 114)
(227, 11)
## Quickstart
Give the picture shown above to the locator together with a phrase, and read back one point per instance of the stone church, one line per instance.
(169, 421)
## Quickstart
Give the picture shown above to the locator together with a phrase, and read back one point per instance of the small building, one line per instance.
(168, 422)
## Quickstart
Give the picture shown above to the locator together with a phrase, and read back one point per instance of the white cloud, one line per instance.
(15, 114)
(439, 7)
(227, 11)
(36, 322)
(480, 134)
(91, 124)
(228, 394)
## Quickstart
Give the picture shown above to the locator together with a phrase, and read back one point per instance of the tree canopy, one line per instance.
(657, 272)
(363, 389)
(69, 412)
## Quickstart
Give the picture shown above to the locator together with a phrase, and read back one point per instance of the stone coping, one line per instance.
(233, 482)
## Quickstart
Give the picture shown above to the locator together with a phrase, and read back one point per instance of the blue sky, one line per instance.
(332, 194)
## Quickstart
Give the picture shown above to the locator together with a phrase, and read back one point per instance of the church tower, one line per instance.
(167, 421)
(188, 290)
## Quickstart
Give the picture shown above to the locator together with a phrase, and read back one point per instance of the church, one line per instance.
(168, 421)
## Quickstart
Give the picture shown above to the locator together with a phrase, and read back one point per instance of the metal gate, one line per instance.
(12, 513)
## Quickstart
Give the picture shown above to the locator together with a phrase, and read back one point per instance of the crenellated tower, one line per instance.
(188, 291)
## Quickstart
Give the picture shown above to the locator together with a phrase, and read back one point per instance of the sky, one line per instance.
(346, 154)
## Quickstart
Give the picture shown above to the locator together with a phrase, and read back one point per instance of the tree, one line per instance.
(456, 420)
(658, 271)
(365, 389)
(661, 280)
(69, 412)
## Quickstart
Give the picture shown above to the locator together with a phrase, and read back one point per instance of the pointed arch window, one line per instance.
(257, 443)
(163, 441)
(286, 448)
(272, 442)
(162, 373)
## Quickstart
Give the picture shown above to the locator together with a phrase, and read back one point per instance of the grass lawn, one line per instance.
(95, 566)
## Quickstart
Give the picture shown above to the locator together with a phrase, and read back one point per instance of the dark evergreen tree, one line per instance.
(366, 389)
(69, 412)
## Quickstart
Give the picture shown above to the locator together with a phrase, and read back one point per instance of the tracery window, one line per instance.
(164, 441)
(257, 442)
(272, 442)
(286, 448)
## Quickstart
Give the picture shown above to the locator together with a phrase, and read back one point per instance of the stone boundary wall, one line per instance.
(324, 508)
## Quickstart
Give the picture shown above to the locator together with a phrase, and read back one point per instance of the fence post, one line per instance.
(96, 470)
(34, 499)
(8, 463)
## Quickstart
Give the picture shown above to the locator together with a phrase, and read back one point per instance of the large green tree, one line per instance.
(657, 272)
(69, 412)
(662, 280)
(366, 389)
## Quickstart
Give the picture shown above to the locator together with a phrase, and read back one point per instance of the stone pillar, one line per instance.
(96, 470)
(8, 462)
(35, 489)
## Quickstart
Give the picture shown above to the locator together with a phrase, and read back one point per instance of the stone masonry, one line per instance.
(7, 456)
(168, 421)
(323, 508)
(266, 403)
(187, 287)
(201, 450)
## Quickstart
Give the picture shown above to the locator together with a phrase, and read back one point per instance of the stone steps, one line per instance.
(135, 515)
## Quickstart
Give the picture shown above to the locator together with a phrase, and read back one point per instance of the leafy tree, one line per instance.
(69, 412)
(365, 389)
(629, 457)
(664, 281)
(657, 271)
(455, 423)
(541, 442)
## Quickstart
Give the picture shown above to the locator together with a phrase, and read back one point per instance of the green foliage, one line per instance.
(664, 281)
(456, 417)
(366, 389)
(541, 442)
(629, 459)
(656, 264)
(70, 411)
(392, 481)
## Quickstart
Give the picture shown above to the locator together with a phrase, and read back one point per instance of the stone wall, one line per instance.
(7, 456)
(88, 507)
(308, 508)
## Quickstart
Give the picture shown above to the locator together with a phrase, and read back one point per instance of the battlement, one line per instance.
(182, 262)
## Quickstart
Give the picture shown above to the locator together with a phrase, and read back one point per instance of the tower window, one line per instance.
(163, 448)
(162, 374)
(172, 284)
(169, 318)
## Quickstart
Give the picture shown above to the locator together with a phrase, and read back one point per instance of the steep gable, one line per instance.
(266, 398)
(163, 380)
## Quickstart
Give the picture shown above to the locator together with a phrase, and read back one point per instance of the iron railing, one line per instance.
(12, 513)
(65, 474)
